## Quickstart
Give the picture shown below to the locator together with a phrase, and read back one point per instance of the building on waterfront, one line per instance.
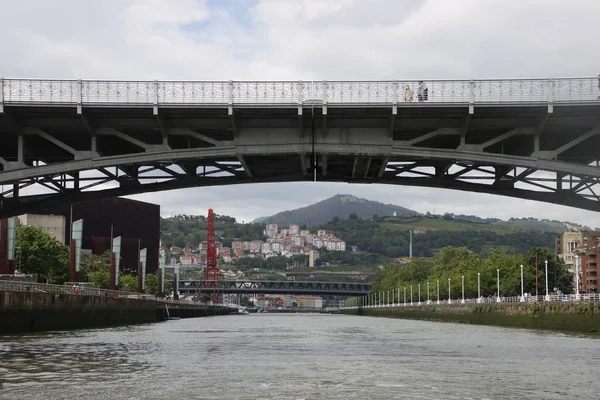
(581, 246)
(138, 224)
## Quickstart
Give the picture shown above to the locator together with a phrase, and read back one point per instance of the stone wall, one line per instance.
(28, 312)
(567, 317)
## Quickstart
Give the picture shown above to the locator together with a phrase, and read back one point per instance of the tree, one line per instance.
(128, 283)
(152, 284)
(37, 252)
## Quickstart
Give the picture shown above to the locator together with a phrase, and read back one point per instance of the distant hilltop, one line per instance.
(341, 206)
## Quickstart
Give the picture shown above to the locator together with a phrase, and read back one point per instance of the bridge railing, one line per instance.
(595, 297)
(291, 93)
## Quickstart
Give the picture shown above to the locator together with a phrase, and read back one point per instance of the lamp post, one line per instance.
(419, 302)
(576, 277)
(547, 294)
(428, 301)
(463, 289)
(405, 296)
(449, 301)
(411, 302)
(498, 299)
(522, 293)
(479, 287)
(438, 291)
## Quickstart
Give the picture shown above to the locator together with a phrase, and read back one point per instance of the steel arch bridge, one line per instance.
(74, 140)
(279, 287)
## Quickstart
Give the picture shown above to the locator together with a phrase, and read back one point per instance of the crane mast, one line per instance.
(211, 272)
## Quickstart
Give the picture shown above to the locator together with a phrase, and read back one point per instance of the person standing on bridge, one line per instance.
(422, 92)
(408, 94)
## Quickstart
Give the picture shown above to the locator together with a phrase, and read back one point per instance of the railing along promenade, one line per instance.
(482, 300)
(291, 93)
(34, 287)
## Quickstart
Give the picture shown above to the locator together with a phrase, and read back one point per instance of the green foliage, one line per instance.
(96, 269)
(190, 230)
(453, 263)
(37, 252)
(152, 284)
(128, 283)
(390, 237)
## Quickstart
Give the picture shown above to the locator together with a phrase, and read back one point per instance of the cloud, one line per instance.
(311, 39)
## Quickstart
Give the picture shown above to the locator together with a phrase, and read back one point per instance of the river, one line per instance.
(299, 356)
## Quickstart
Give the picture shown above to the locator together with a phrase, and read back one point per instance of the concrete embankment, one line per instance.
(28, 312)
(566, 317)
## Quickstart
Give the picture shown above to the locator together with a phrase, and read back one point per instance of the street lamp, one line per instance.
(449, 301)
(499, 300)
(405, 296)
(463, 289)
(428, 301)
(522, 293)
(438, 291)
(547, 295)
(411, 302)
(479, 287)
(419, 303)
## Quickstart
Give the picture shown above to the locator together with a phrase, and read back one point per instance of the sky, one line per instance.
(308, 40)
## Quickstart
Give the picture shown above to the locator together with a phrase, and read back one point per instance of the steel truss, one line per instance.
(280, 287)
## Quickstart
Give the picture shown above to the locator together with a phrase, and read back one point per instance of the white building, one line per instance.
(294, 229)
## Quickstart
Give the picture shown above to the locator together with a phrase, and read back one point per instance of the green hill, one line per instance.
(340, 206)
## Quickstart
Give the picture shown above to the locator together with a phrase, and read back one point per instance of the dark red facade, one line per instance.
(138, 224)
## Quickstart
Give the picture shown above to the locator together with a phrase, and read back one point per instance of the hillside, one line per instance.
(528, 224)
(340, 206)
(390, 236)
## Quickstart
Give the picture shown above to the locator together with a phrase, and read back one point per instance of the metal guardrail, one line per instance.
(249, 93)
(592, 297)
(34, 287)
(20, 286)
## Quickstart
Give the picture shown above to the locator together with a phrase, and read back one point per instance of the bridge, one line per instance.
(74, 140)
(279, 287)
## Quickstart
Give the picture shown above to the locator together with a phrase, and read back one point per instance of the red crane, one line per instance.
(211, 272)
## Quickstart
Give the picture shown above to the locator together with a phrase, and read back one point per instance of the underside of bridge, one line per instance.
(58, 154)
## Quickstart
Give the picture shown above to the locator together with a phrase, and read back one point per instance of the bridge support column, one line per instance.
(159, 273)
(139, 277)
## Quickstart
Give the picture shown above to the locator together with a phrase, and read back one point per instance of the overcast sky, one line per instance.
(308, 40)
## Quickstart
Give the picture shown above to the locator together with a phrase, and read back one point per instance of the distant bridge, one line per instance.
(280, 287)
(72, 140)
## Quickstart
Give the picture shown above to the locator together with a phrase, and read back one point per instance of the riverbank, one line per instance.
(565, 317)
(22, 312)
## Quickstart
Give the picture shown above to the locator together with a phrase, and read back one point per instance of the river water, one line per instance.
(299, 356)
